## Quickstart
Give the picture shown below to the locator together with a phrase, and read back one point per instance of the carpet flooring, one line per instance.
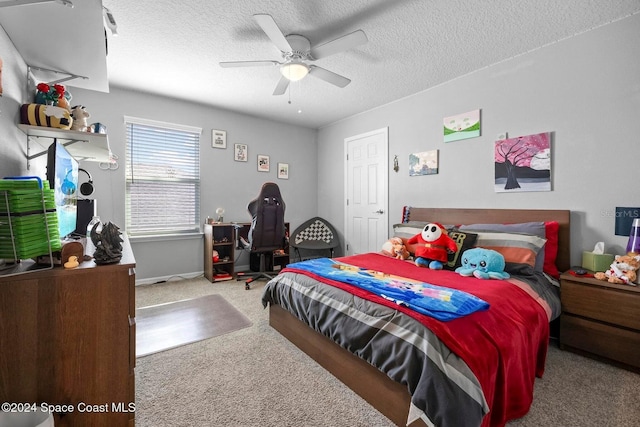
(165, 326)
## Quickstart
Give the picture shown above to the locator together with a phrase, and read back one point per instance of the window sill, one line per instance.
(165, 237)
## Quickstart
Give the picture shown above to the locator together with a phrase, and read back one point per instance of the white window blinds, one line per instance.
(162, 178)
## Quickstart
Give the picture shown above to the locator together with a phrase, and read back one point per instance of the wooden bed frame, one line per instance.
(389, 397)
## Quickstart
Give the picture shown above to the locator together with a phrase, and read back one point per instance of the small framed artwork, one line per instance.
(283, 170)
(240, 152)
(462, 126)
(263, 163)
(425, 163)
(218, 138)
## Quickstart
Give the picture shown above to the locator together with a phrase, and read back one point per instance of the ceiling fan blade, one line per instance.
(282, 86)
(328, 76)
(271, 29)
(340, 44)
(247, 64)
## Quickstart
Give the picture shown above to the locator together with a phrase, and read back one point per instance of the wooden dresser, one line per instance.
(601, 319)
(68, 338)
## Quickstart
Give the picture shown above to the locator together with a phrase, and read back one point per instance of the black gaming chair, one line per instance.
(267, 232)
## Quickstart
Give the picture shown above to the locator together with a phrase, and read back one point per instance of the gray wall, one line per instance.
(586, 90)
(14, 82)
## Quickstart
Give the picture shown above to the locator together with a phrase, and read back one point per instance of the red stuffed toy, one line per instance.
(434, 244)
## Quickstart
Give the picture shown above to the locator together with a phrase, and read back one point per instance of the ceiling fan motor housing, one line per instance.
(300, 47)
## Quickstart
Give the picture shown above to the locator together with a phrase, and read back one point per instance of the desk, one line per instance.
(224, 238)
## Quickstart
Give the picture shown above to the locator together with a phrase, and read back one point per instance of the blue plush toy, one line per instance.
(483, 264)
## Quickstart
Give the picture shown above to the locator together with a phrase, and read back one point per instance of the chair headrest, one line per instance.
(269, 195)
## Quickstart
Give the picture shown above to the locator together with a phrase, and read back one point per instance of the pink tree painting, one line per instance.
(523, 163)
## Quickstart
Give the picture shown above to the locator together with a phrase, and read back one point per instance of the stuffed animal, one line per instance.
(394, 247)
(45, 115)
(623, 270)
(434, 245)
(63, 102)
(80, 116)
(483, 264)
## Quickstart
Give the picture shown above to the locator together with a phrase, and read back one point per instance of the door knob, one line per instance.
(379, 211)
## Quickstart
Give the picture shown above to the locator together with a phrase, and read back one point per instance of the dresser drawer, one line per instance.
(618, 344)
(608, 305)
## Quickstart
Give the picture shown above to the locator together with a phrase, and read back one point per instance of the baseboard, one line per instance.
(152, 280)
(242, 268)
(160, 279)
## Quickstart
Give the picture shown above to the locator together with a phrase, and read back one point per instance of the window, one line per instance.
(162, 178)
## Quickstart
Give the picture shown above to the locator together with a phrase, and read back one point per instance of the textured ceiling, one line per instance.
(174, 48)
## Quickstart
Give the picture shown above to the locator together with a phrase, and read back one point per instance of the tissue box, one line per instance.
(596, 262)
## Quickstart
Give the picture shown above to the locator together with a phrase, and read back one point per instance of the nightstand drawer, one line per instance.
(614, 343)
(605, 304)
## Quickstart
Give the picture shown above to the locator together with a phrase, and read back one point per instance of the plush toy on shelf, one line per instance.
(483, 264)
(63, 101)
(394, 247)
(45, 115)
(433, 246)
(623, 269)
(80, 116)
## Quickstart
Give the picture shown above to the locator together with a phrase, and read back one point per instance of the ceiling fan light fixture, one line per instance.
(294, 70)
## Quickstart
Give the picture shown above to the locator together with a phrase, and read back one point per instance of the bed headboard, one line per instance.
(501, 216)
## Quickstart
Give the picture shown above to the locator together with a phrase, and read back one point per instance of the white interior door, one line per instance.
(366, 189)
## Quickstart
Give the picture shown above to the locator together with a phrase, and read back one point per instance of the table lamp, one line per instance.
(634, 237)
(220, 213)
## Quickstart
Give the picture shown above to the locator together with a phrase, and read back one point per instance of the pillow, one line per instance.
(552, 229)
(515, 247)
(408, 229)
(533, 228)
(464, 240)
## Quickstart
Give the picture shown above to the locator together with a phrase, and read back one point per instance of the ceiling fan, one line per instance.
(297, 53)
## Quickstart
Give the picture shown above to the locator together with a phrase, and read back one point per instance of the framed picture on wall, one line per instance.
(523, 163)
(218, 138)
(462, 126)
(240, 152)
(263, 163)
(424, 163)
(283, 170)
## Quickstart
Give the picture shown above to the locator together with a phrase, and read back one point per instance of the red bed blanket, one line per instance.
(505, 346)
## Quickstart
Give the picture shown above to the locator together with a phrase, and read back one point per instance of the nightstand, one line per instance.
(601, 319)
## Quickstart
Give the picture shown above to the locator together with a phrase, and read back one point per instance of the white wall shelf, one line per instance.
(83, 146)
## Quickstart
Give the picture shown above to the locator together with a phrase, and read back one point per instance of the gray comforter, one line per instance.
(443, 388)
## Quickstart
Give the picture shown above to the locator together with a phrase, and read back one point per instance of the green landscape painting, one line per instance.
(462, 126)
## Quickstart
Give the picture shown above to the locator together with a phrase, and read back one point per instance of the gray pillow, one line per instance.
(534, 228)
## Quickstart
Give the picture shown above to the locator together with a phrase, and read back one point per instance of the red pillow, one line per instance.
(551, 229)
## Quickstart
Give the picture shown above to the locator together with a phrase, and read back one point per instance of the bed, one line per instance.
(475, 370)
